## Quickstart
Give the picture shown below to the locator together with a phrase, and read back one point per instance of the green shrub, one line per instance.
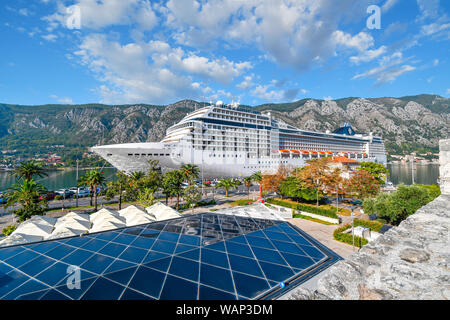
(8, 230)
(58, 197)
(319, 211)
(300, 216)
(242, 202)
(339, 235)
(373, 225)
(305, 208)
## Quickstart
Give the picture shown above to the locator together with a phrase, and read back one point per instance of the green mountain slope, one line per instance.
(406, 123)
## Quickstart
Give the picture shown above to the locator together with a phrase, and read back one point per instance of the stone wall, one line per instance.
(410, 261)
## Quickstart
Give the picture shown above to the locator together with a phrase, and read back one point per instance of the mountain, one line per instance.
(406, 123)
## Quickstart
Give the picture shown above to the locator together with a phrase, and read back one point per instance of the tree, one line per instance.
(315, 175)
(190, 172)
(27, 194)
(397, 206)
(376, 170)
(248, 183)
(335, 184)
(146, 197)
(227, 184)
(117, 187)
(28, 170)
(293, 188)
(272, 182)
(172, 184)
(93, 179)
(192, 196)
(362, 185)
(257, 177)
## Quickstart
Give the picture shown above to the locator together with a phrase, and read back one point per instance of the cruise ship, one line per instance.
(233, 141)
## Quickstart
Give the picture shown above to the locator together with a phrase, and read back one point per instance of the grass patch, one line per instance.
(341, 236)
(300, 216)
(241, 202)
(321, 210)
(373, 225)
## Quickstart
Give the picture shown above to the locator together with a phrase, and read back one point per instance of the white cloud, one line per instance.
(296, 33)
(152, 71)
(263, 92)
(99, 14)
(361, 42)
(24, 12)
(246, 83)
(389, 69)
(428, 8)
(435, 62)
(388, 5)
(368, 55)
(448, 91)
(65, 100)
(50, 37)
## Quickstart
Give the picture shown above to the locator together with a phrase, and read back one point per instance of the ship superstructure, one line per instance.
(231, 141)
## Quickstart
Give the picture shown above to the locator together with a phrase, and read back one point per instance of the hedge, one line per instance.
(305, 208)
(201, 203)
(373, 225)
(339, 235)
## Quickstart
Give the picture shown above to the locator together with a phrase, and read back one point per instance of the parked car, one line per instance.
(65, 193)
(84, 192)
(356, 202)
(49, 195)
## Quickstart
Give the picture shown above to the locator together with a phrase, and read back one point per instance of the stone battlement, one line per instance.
(410, 261)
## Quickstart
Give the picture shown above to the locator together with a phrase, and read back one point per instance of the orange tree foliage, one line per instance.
(362, 185)
(272, 182)
(315, 174)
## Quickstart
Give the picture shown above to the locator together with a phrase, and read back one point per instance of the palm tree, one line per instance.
(94, 179)
(117, 187)
(27, 170)
(137, 175)
(172, 184)
(248, 183)
(27, 194)
(190, 172)
(257, 177)
(227, 184)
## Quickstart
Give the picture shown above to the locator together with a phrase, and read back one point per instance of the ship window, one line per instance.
(109, 154)
(130, 154)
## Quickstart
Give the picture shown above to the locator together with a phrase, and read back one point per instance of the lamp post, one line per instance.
(353, 233)
(77, 186)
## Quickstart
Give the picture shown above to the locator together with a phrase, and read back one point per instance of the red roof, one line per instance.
(343, 160)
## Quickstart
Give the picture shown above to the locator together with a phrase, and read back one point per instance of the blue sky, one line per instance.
(250, 51)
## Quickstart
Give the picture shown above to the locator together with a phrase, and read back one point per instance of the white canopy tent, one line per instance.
(102, 213)
(77, 216)
(162, 212)
(106, 225)
(135, 216)
(72, 223)
(33, 229)
(62, 232)
(19, 239)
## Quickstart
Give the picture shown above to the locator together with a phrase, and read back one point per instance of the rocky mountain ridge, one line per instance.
(414, 122)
